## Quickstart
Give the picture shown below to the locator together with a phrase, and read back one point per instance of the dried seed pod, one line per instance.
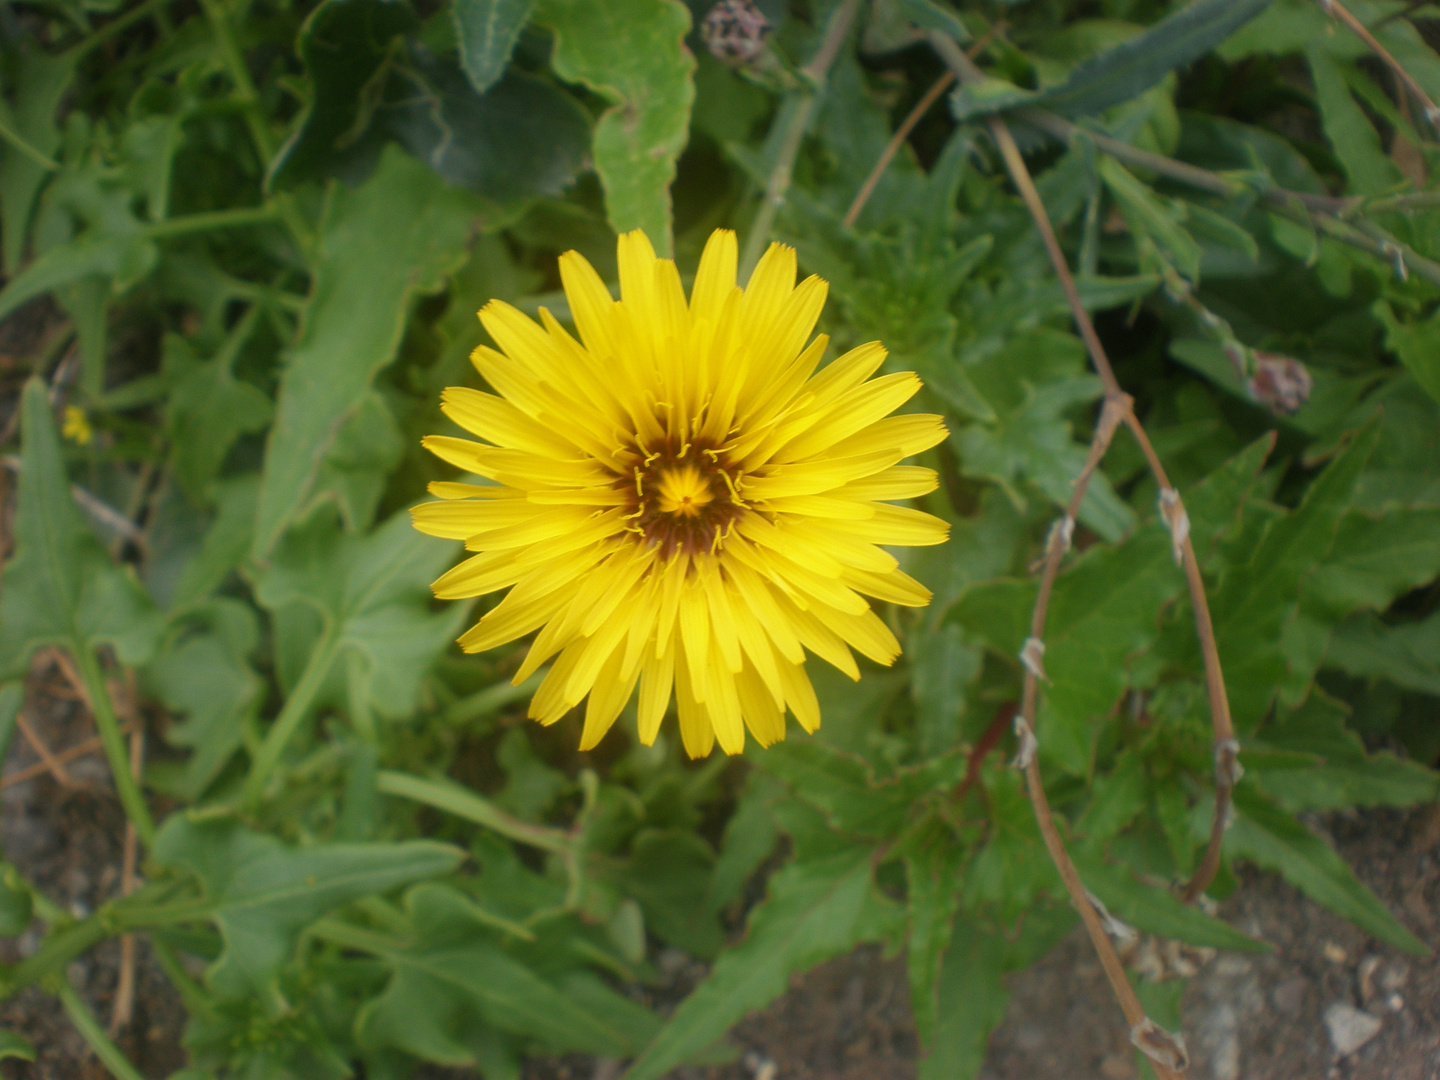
(735, 31)
(1281, 383)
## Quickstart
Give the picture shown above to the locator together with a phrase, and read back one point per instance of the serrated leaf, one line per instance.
(61, 587)
(343, 43)
(1126, 71)
(1353, 138)
(1407, 654)
(932, 872)
(972, 999)
(1013, 868)
(1031, 385)
(633, 54)
(845, 786)
(1158, 911)
(396, 236)
(205, 678)
(1254, 600)
(488, 30)
(1272, 839)
(815, 910)
(1416, 343)
(207, 410)
(264, 893)
(1104, 611)
(453, 978)
(1149, 217)
(372, 597)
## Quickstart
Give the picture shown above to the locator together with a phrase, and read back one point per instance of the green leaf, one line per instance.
(372, 596)
(1353, 138)
(12, 697)
(815, 910)
(846, 789)
(207, 410)
(40, 80)
(15, 1046)
(1407, 654)
(932, 874)
(1158, 911)
(264, 893)
(61, 587)
(1031, 385)
(205, 678)
(930, 15)
(1126, 71)
(453, 978)
(633, 54)
(343, 44)
(1271, 838)
(16, 907)
(1104, 613)
(668, 872)
(395, 237)
(972, 999)
(1013, 869)
(522, 137)
(1416, 343)
(1254, 600)
(488, 30)
(1148, 216)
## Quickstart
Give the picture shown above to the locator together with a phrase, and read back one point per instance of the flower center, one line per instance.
(682, 498)
(683, 490)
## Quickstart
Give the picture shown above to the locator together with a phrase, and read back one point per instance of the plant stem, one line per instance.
(297, 704)
(1338, 10)
(91, 1031)
(488, 702)
(454, 799)
(237, 217)
(794, 118)
(15, 139)
(113, 741)
(113, 27)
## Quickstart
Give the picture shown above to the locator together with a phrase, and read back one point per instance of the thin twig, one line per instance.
(96, 507)
(1326, 213)
(1171, 507)
(48, 761)
(124, 1004)
(893, 146)
(1335, 9)
(62, 757)
(796, 118)
(908, 125)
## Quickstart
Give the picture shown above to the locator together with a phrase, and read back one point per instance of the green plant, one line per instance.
(268, 226)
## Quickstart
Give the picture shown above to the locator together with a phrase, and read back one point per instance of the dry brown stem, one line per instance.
(908, 125)
(48, 762)
(1166, 1052)
(1335, 9)
(124, 1003)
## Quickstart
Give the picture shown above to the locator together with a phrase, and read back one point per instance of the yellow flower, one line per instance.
(75, 426)
(679, 499)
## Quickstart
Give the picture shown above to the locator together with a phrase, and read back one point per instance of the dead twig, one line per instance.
(1336, 10)
(124, 1004)
(795, 116)
(48, 761)
(908, 125)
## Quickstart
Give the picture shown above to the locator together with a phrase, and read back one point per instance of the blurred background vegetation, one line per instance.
(244, 242)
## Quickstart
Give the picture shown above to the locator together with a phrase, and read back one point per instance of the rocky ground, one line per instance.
(1329, 1002)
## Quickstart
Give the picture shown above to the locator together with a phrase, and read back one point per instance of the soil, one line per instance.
(1256, 1017)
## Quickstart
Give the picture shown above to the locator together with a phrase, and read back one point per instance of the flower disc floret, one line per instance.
(682, 500)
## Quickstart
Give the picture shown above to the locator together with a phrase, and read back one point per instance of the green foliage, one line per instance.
(267, 229)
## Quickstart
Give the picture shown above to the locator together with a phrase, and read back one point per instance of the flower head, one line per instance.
(679, 499)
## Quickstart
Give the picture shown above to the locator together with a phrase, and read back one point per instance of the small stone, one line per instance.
(1334, 953)
(1118, 1067)
(1395, 1003)
(1350, 1028)
(1289, 996)
(1395, 975)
